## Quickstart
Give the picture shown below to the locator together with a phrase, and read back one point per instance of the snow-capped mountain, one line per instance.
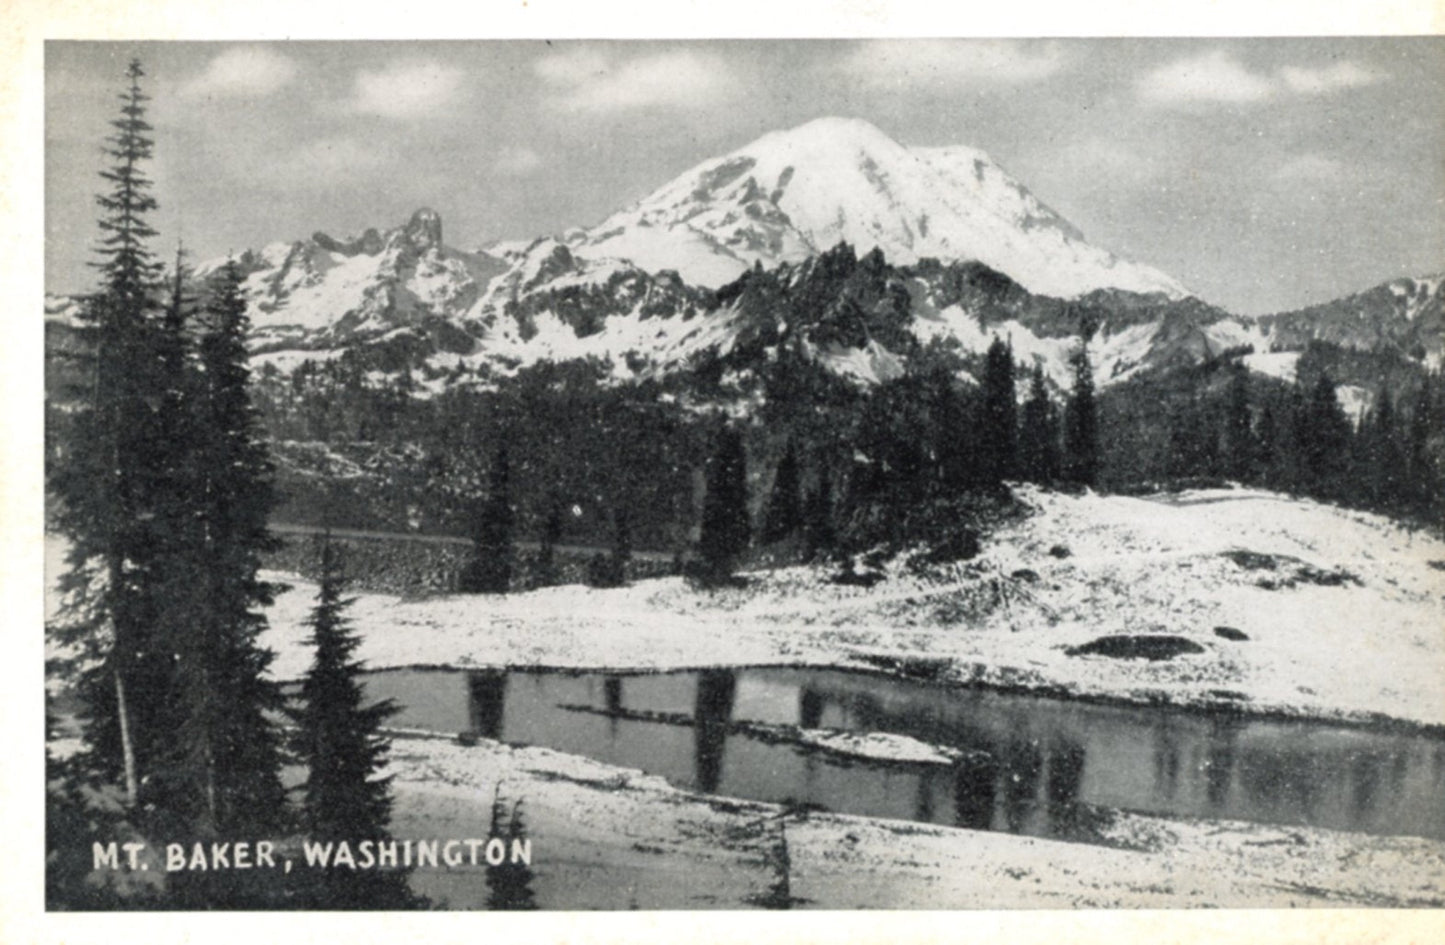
(829, 241)
(793, 194)
(324, 292)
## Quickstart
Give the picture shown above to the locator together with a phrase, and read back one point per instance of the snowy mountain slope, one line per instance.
(1407, 315)
(829, 239)
(795, 193)
(321, 292)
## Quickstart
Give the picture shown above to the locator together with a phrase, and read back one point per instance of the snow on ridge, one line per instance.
(793, 193)
(1277, 364)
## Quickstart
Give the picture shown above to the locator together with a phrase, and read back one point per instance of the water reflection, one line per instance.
(487, 691)
(1031, 764)
(713, 710)
(974, 779)
(1219, 761)
(810, 708)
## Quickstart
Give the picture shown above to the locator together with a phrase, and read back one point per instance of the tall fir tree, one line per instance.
(509, 884)
(547, 546)
(340, 741)
(819, 532)
(998, 427)
(232, 705)
(1081, 424)
(1426, 477)
(106, 481)
(1039, 433)
(1239, 446)
(956, 465)
(1323, 440)
(493, 547)
(785, 506)
(725, 525)
(1386, 468)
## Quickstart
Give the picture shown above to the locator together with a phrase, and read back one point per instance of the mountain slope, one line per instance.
(1406, 315)
(792, 194)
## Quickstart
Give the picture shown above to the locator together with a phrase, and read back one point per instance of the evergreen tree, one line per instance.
(610, 570)
(1426, 478)
(725, 526)
(1322, 434)
(230, 728)
(1240, 449)
(1193, 440)
(956, 466)
(509, 885)
(105, 483)
(547, 546)
(785, 512)
(1039, 434)
(490, 570)
(1385, 455)
(1268, 458)
(998, 428)
(1081, 424)
(339, 740)
(818, 517)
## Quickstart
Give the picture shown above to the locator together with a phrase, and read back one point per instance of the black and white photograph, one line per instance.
(743, 474)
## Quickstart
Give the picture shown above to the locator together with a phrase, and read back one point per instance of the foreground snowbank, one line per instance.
(607, 837)
(1342, 613)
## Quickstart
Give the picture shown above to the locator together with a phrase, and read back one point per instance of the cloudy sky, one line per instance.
(1264, 174)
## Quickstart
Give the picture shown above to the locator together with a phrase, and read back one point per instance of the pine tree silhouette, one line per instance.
(1081, 424)
(785, 512)
(1039, 433)
(998, 428)
(106, 481)
(725, 526)
(493, 551)
(339, 739)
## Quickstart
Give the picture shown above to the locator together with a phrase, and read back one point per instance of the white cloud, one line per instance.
(1214, 76)
(243, 71)
(585, 80)
(1310, 167)
(1217, 77)
(406, 90)
(911, 63)
(517, 162)
(1342, 75)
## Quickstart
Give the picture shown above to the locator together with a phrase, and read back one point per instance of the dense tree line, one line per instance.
(1219, 422)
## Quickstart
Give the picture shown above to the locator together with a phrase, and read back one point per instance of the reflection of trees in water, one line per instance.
(1023, 764)
(1365, 769)
(1065, 762)
(974, 780)
(1219, 761)
(1166, 759)
(923, 797)
(810, 707)
(612, 694)
(716, 691)
(487, 697)
(1279, 780)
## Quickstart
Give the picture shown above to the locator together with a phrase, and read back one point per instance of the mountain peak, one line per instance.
(794, 193)
(424, 229)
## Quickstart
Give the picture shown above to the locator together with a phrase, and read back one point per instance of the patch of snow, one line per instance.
(1278, 364)
(879, 746)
